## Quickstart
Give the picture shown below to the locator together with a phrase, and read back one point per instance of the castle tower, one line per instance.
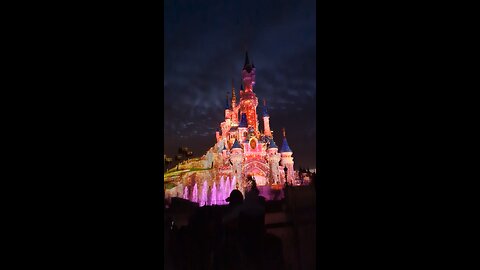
(273, 158)
(248, 99)
(234, 108)
(236, 157)
(266, 121)
(243, 128)
(224, 129)
(224, 151)
(217, 135)
(234, 98)
(228, 112)
(248, 74)
(287, 159)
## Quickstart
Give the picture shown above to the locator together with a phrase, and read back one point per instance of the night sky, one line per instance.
(205, 43)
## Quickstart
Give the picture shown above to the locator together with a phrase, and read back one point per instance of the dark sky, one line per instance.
(205, 43)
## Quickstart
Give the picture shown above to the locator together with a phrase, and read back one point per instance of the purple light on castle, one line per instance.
(203, 198)
(195, 193)
(185, 193)
(214, 194)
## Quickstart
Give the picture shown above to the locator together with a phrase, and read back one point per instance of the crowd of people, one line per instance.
(231, 237)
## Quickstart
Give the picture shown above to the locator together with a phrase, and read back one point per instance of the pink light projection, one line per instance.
(214, 194)
(203, 198)
(185, 193)
(227, 187)
(234, 183)
(195, 193)
(221, 193)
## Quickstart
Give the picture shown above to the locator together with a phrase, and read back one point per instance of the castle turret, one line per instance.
(225, 127)
(273, 160)
(234, 98)
(287, 159)
(248, 99)
(224, 151)
(227, 109)
(243, 128)
(235, 108)
(236, 157)
(266, 121)
(217, 135)
(248, 74)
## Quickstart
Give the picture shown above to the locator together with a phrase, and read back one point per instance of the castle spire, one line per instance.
(243, 121)
(265, 112)
(285, 147)
(247, 66)
(247, 61)
(227, 106)
(234, 98)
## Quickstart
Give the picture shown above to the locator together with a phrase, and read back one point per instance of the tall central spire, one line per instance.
(247, 61)
(234, 98)
(227, 106)
(248, 99)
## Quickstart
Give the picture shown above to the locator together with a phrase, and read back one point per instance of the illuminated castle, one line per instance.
(242, 149)
(245, 149)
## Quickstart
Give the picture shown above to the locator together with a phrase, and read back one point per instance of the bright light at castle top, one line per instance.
(241, 150)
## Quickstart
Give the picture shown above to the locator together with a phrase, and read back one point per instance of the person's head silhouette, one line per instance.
(235, 198)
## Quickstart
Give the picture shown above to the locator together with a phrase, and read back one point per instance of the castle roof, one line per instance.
(243, 121)
(247, 66)
(285, 147)
(265, 112)
(272, 144)
(227, 106)
(247, 61)
(236, 145)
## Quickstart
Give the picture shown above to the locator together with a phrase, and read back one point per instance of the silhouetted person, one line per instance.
(228, 255)
(236, 198)
(252, 229)
(230, 219)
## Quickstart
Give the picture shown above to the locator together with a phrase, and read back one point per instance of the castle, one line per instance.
(242, 149)
(245, 149)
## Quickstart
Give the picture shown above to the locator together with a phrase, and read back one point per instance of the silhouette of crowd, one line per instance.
(225, 237)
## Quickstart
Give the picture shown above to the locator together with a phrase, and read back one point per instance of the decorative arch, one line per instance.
(259, 170)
